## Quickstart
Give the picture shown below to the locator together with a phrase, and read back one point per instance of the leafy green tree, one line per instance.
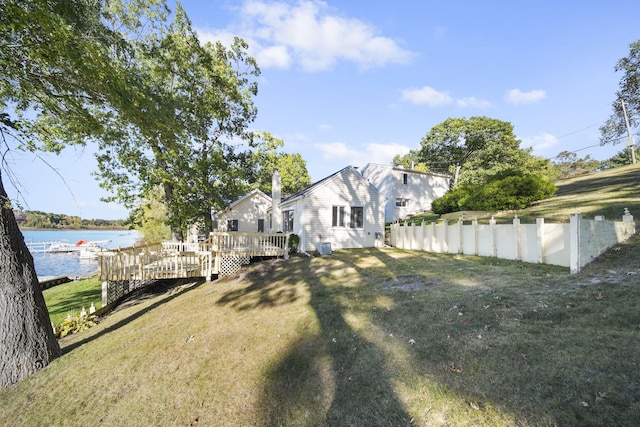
(410, 160)
(187, 103)
(473, 150)
(150, 218)
(567, 164)
(291, 166)
(54, 59)
(621, 158)
(614, 130)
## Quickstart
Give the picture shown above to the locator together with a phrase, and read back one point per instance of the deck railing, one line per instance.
(183, 259)
(249, 244)
(124, 270)
(153, 262)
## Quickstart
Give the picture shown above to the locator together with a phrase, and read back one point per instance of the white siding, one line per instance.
(314, 213)
(420, 190)
(247, 211)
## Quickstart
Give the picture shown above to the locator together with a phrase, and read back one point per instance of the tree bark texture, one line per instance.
(27, 341)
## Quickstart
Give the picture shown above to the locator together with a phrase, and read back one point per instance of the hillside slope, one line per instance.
(605, 193)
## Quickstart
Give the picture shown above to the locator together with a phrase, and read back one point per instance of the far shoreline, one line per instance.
(78, 229)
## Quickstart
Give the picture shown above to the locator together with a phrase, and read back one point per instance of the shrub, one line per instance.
(499, 193)
(294, 241)
(450, 202)
(71, 325)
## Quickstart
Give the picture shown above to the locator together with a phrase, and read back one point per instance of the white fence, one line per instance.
(571, 245)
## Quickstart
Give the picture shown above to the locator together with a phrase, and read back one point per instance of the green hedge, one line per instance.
(501, 193)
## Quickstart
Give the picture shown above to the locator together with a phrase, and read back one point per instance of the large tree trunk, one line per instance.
(27, 342)
(176, 234)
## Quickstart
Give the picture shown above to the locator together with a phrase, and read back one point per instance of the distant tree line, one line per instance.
(44, 220)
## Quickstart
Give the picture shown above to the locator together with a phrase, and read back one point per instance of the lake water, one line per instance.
(59, 264)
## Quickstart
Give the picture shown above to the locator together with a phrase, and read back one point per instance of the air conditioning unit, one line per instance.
(324, 248)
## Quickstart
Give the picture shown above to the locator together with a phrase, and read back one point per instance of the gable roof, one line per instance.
(402, 169)
(317, 184)
(248, 196)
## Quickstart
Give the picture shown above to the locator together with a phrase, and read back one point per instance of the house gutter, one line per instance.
(303, 238)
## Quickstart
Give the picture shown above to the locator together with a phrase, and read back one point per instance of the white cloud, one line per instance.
(383, 153)
(517, 97)
(310, 34)
(540, 142)
(223, 36)
(369, 153)
(426, 95)
(473, 102)
(273, 57)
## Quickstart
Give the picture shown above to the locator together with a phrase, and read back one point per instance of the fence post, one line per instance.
(474, 226)
(627, 218)
(412, 232)
(540, 252)
(574, 242)
(494, 242)
(105, 293)
(460, 235)
(445, 240)
(432, 237)
(516, 237)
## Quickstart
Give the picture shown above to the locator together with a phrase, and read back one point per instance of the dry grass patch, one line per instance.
(361, 337)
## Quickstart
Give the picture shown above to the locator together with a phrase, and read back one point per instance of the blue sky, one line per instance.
(353, 82)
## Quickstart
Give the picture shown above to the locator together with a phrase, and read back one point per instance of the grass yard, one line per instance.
(602, 193)
(69, 298)
(367, 337)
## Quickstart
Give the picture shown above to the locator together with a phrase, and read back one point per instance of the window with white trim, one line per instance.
(232, 225)
(337, 216)
(287, 221)
(402, 203)
(357, 217)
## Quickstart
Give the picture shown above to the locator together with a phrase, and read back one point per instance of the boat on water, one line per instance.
(88, 254)
(79, 247)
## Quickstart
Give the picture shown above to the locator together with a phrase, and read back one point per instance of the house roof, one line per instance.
(402, 169)
(317, 184)
(248, 196)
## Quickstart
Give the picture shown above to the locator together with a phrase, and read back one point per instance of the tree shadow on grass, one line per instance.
(486, 349)
(74, 302)
(167, 290)
(334, 376)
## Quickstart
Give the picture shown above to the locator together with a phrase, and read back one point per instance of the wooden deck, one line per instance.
(221, 254)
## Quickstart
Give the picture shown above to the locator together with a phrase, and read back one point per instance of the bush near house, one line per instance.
(499, 193)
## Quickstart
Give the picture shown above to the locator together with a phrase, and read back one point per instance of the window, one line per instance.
(357, 216)
(232, 225)
(337, 218)
(261, 226)
(287, 221)
(405, 177)
(401, 203)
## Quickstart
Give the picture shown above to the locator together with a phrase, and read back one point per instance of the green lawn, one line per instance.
(69, 298)
(362, 337)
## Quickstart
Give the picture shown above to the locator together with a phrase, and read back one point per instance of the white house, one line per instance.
(405, 191)
(343, 210)
(248, 214)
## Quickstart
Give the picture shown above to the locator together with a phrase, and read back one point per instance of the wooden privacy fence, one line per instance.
(570, 245)
(222, 254)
